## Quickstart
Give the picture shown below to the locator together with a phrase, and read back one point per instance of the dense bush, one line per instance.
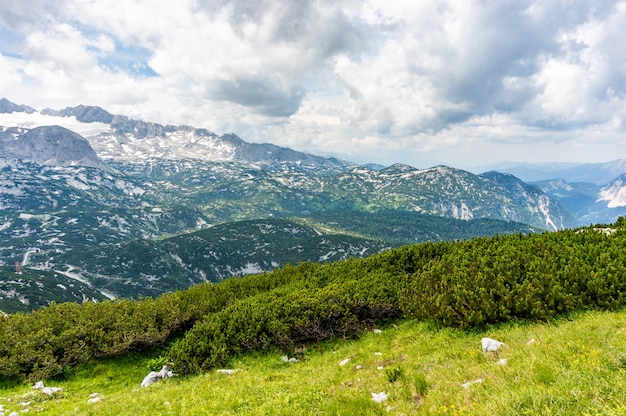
(44, 343)
(280, 318)
(492, 280)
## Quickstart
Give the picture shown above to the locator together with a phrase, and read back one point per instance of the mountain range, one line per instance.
(127, 207)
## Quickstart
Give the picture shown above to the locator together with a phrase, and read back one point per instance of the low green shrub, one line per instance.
(279, 319)
(489, 280)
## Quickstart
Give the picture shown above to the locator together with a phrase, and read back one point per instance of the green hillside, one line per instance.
(152, 267)
(439, 294)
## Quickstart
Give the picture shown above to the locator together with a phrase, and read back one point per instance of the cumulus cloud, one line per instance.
(381, 80)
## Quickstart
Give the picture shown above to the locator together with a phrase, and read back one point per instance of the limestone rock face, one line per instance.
(50, 145)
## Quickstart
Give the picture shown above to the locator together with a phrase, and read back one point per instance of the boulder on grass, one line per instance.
(155, 376)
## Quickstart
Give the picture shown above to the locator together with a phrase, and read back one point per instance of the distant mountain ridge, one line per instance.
(597, 173)
(83, 113)
(132, 140)
(436, 191)
(7, 106)
(452, 193)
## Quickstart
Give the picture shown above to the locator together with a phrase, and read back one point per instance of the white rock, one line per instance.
(286, 359)
(92, 395)
(358, 367)
(94, 400)
(344, 362)
(38, 385)
(469, 383)
(378, 353)
(377, 331)
(155, 376)
(531, 341)
(502, 361)
(380, 367)
(51, 390)
(226, 371)
(379, 397)
(491, 345)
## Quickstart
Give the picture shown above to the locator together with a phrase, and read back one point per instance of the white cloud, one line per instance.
(382, 80)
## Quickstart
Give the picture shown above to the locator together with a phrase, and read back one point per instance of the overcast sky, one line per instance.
(457, 82)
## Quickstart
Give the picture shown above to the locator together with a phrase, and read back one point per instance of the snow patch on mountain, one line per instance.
(183, 143)
(543, 204)
(614, 193)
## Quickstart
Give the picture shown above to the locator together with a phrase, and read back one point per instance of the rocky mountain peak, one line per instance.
(7, 106)
(51, 145)
(83, 113)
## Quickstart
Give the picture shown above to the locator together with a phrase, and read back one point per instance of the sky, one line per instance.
(457, 82)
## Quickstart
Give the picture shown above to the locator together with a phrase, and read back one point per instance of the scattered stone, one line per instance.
(469, 383)
(155, 376)
(286, 359)
(379, 397)
(46, 390)
(224, 371)
(380, 367)
(14, 414)
(51, 390)
(491, 345)
(531, 341)
(378, 353)
(94, 400)
(502, 361)
(92, 395)
(377, 331)
(344, 362)
(358, 367)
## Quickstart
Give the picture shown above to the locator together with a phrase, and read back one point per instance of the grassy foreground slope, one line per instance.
(575, 365)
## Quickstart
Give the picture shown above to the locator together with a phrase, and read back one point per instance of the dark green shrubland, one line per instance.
(484, 281)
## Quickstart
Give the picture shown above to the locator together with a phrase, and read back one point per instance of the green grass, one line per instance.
(574, 365)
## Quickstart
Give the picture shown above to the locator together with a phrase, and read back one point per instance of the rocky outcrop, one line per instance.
(51, 145)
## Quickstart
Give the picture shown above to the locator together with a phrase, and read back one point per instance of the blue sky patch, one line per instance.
(9, 43)
(129, 59)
